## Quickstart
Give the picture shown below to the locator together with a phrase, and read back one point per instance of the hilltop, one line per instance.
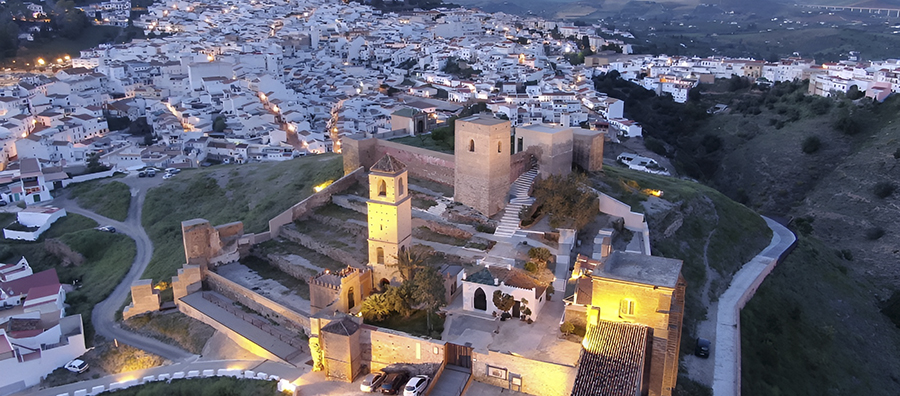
(252, 193)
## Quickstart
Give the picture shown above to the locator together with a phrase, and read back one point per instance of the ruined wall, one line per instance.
(297, 271)
(143, 299)
(342, 256)
(537, 377)
(270, 309)
(312, 202)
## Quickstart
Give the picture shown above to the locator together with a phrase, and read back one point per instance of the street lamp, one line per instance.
(40, 61)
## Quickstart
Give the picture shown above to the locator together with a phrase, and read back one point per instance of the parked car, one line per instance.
(151, 173)
(142, 174)
(372, 382)
(416, 385)
(109, 229)
(393, 383)
(3, 203)
(168, 175)
(77, 366)
(702, 348)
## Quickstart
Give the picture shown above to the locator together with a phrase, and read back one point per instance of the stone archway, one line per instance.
(480, 302)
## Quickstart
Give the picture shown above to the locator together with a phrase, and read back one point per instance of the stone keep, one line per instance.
(390, 217)
(482, 163)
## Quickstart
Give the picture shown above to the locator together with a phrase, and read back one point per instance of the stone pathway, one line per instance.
(727, 348)
(509, 223)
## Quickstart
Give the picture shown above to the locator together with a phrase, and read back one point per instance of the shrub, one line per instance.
(874, 233)
(531, 266)
(486, 228)
(655, 145)
(884, 189)
(567, 328)
(811, 144)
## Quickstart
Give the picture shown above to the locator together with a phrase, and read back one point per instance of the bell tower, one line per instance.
(389, 218)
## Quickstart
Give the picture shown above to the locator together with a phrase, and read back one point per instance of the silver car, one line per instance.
(372, 382)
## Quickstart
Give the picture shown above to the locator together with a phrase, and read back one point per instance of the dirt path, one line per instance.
(103, 315)
(701, 370)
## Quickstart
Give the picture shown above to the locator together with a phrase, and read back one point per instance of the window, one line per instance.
(472, 145)
(499, 147)
(382, 188)
(401, 191)
(350, 299)
(379, 255)
(520, 144)
(626, 307)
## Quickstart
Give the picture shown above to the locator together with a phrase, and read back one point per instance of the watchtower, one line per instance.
(481, 178)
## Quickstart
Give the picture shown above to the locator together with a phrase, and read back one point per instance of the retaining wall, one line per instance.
(285, 316)
(309, 242)
(313, 201)
(633, 221)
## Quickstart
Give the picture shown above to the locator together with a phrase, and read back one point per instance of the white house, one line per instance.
(32, 222)
(479, 288)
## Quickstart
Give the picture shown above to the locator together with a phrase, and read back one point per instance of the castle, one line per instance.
(631, 304)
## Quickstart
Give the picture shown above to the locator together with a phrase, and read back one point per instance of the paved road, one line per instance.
(727, 347)
(103, 316)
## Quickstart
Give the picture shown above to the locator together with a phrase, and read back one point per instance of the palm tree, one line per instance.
(408, 261)
(375, 308)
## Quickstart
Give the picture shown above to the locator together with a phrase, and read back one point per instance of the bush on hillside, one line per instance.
(874, 233)
(884, 189)
(811, 144)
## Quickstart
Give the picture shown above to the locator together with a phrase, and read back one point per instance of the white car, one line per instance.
(77, 366)
(168, 176)
(416, 385)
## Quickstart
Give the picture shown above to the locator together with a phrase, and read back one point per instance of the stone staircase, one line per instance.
(509, 223)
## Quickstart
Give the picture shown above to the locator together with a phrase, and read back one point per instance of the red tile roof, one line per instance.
(612, 361)
(23, 285)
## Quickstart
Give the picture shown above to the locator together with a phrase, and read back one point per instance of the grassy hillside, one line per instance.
(812, 330)
(107, 259)
(252, 193)
(105, 197)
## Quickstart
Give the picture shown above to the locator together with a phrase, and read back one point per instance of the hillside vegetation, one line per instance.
(252, 193)
(104, 197)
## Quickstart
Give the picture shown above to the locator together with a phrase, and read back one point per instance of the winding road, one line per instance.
(104, 314)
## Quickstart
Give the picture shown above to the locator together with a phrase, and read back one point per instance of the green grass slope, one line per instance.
(105, 197)
(811, 330)
(252, 193)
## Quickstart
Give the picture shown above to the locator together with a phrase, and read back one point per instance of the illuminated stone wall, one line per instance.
(537, 377)
(383, 347)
